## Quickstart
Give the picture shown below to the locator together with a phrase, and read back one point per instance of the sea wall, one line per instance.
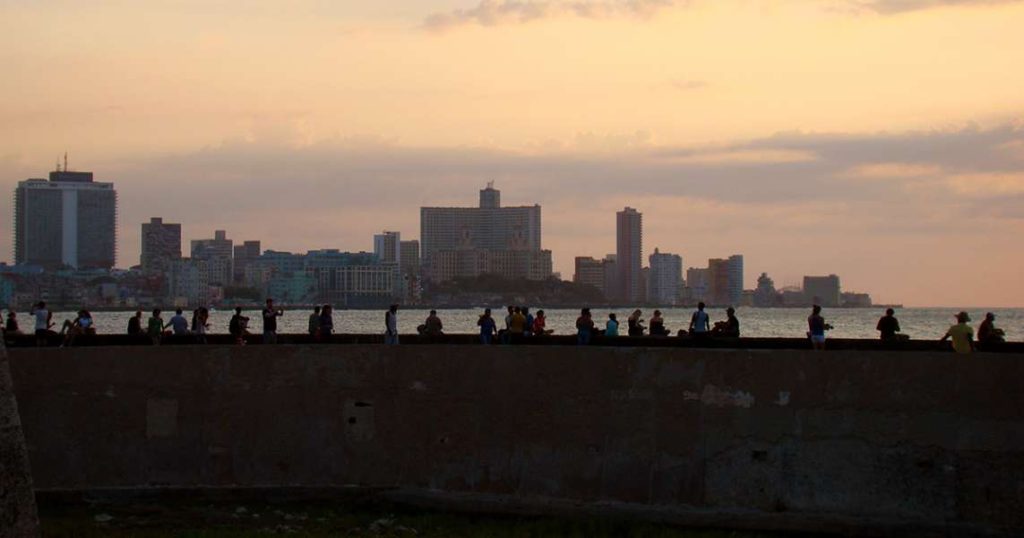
(874, 440)
(17, 504)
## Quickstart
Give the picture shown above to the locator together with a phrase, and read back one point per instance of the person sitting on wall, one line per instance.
(635, 324)
(988, 333)
(432, 326)
(658, 324)
(728, 328)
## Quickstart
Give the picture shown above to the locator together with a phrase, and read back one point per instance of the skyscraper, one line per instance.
(666, 278)
(725, 280)
(217, 252)
(69, 220)
(161, 245)
(388, 247)
(244, 255)
(629, 254)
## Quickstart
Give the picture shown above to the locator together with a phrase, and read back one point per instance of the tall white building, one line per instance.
(664, 285)
(69, 220)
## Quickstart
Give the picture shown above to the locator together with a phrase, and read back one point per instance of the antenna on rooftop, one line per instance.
(65, 161)
(490, 184)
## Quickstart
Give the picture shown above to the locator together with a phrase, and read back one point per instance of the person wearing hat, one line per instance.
(961, 334)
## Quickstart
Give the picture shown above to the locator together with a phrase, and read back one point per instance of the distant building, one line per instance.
(629, 255)
(410, 257)
(347, 279)
(666, 278)
(243, 255)
(218, 253)
(506, 239)
(388, 247)
(589, 271)
(697, 285)
(823, 290)
(611, 274)
(161, 245)
(726, 280)
(69, 221)
(765, 295)
(855, 300)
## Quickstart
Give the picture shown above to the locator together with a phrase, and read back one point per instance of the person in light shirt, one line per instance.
(961, 334)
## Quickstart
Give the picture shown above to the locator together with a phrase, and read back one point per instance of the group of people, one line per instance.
(519, 323)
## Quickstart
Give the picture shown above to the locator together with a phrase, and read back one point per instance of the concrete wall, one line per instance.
(17, 504)
(783, 439)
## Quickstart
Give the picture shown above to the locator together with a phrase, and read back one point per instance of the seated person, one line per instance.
(988, 332)
(730, 327)
(635, 324)
(658, 324)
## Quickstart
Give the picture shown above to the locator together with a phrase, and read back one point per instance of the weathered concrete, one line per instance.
(17, 503)
(779, 439)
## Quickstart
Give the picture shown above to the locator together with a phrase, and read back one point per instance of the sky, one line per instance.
(880, 140)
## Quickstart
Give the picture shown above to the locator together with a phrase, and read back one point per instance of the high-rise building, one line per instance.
(697, 285)
(69, 221)
(725, 280)
(823, 290)
(492, 230)
(217, 252)
(388, 247)
(629, 255)
(664, 286)
(161, 245)
(410, 257)
(243, 256)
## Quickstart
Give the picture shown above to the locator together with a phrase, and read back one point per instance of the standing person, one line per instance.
(816, 328)
(584, 327)
(178, 323)
(238, 326)
(988, 333)
(962, 334)
(658, 324)
(155, 327)
(506, 333)
(433, 326)
(635, 323)
(326, 322)
(43, 323)
(200, 323)
(700, 322)
(888, 325)
(391, 325)
(487, 327)
(270, 316)
(611, 327)
(135, 324)
(314, 322)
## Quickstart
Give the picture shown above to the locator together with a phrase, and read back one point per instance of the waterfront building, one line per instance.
(664, 286)
(388, 247)
(347, 279)
(823, 290)
(68, 221)
(409, 260)
(505, 239)
(161, 245)
(243, 255)
(725, 280)
(696, 285)
(629, 255)
(218, 252)
(765, 295)
(589, 271)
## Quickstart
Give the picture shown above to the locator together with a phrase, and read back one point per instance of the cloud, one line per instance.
(499, 12)
(902, 6)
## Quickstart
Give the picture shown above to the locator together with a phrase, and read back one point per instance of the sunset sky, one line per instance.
(880, 140)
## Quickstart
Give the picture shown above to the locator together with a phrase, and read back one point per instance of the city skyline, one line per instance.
(872, 140)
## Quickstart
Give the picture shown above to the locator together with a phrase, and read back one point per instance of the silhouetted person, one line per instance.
(730, 327)
(135, 324)
(80, 326)
(584, 327)
(433, 326)
(888, 325)
(314, 322)
(962, 334)
(238, 326)
(11, 327)
(528, 328)
(43, 323)
(487, 327)
(516, 324)
(270, 315)
(657, 324)
(988, 333)
(178, 323)
(816, 328)
(326, 322)
(700, 322)
(200, 324)
(634, 324)
(155, 327)
(540, 323)
(391, 325)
